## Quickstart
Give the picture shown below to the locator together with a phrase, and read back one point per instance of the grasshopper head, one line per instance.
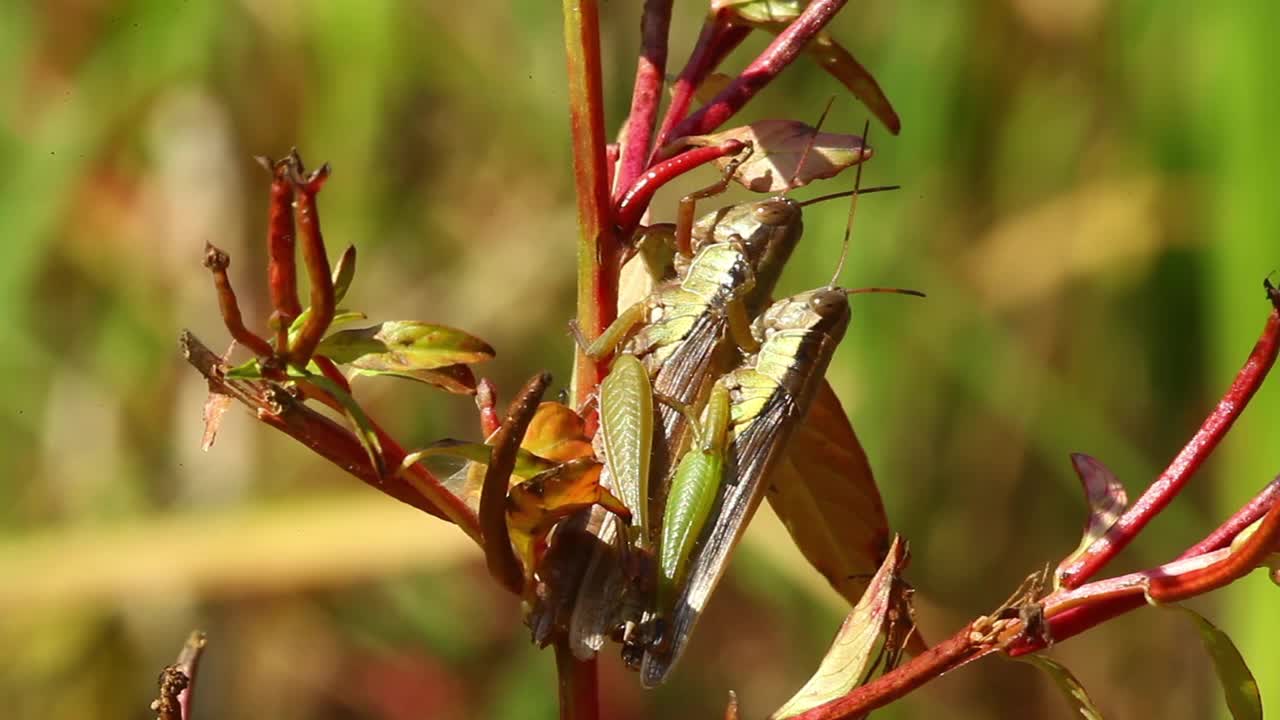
(823, 311)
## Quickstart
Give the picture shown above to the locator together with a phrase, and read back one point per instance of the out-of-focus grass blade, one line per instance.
(853, 652)
(1238, 685)
(1067, 683)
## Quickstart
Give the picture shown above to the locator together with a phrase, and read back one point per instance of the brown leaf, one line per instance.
(779, 147)
(825, 494)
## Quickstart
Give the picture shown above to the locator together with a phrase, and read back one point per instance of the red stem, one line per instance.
(282, 276)
(579, 685)
(317, 262)
(598, 245)
(634, 202)
(487, 404)
(1240, 562)
(1175, 477)
(218, 261)
(717, 39)
(646, 94)
(1243, 518)
(775, 58)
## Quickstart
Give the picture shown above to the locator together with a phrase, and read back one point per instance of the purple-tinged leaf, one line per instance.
(1107, 502)
(778, 148)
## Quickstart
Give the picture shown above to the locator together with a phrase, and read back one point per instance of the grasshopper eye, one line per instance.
(824, 303)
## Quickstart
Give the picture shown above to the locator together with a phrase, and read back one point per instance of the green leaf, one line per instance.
(400, 346)
(1238, 685)
(853, 652)
(457, 379)
(1072, 690)
(250, 370)
(527, 464)
(340, 317)
(355, 415)
(343, 273)
(762, 11)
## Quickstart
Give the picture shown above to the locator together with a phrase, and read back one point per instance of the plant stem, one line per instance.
(1243, 518)
(646, 93)
(775, 58)
(1175, 477)
(217, 262)
(598, 246)
(579, 690)
(317, 263)
(636, 199)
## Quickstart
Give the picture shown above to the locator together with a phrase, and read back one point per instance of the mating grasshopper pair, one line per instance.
(683, 347)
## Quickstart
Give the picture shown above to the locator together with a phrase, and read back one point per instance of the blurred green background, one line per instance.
(1089, 202)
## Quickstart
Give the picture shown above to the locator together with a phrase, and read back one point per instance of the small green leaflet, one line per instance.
(527, 464)
(1071, 689)
(1238, 685)
(404, 346)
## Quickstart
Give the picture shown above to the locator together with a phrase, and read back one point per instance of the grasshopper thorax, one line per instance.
(767, 231)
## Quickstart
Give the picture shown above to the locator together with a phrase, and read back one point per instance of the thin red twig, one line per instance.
(1175, 477)
(775, 58)
(634, 202)
(1243, 518)
(717, 39)
(1238, 563)
(487, 404)
(646, 94)
(217, 262)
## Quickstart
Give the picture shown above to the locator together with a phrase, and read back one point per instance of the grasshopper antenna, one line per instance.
(899, 291)
(847, 193)
(813, 139)
(853, 207)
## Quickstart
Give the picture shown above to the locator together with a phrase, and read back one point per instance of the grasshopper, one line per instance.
(769, 395)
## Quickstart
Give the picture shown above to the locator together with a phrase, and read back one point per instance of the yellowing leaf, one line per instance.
(779, 147)
(853, 653)
(1071, 689)
(404, 346)
(557, 434)
(825, 494)
(1107, 502)
(761, 11)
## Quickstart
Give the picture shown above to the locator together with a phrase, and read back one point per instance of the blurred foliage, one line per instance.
(1089, 193)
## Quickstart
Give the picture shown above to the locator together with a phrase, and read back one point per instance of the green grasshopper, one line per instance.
(769, 394)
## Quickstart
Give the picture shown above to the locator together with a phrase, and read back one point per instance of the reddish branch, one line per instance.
(775, 58)
(646, 94)
(1175, 477)
(317, 263)
(717, 39)
(1243, 518)
(633, 203)
(578, 685)
(217, 262)
(282, 276)
(499, 556)
(487, 404)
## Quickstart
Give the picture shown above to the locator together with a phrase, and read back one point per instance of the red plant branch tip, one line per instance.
(636, 200)
(1238, 563)
(217, 262)
(1175, 477)
(487, 404)
(317, 263)
(718, 38)
(282, 279)
(647, 91)
(775, 58)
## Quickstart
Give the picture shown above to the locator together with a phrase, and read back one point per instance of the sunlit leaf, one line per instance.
(1238, 684)
(1107, 502)
(853, 652)
(343, 273)
(341, 317)
(1071, 689)
(400, 346)
(824, 492)
(761, 11)
(778, 149)
(537, 504)
(251, 370)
